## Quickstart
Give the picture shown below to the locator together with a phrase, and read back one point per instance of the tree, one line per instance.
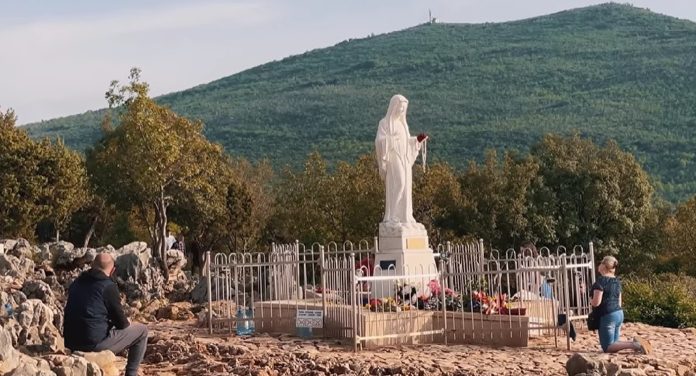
(436, 198)
(319, 206)
(41, 181)
(233, 210)
(681, 235)
(250, 202)
(152, 159)
(67, 177)
(598, 194)
(496, 201)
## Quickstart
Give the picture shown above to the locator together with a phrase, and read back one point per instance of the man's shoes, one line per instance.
(643, 345)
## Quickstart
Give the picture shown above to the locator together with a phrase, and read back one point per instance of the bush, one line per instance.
(666, 300)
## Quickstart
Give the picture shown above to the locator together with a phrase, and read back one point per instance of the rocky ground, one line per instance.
(33, 281)
(180, 348)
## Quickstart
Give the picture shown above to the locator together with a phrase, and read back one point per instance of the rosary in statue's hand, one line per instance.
(421, 137)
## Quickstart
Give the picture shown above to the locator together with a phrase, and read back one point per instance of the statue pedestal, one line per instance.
(403, 251)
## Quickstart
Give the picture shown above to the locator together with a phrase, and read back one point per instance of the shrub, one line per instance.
(665, 300)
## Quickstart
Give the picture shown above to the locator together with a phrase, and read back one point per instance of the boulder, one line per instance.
(631, 372)
(175, 311)
(579, 364)
(150, 285)
(32, 366)
(22, 249)
(8, 244)
(43, 254)
(13, 298)
(19, 268)
(176, 260)
(9, 357)
(110, 364)
(57, 248)
(132, 261)
(33, 329)
(71, 258)
(73, 365)
(35, 289)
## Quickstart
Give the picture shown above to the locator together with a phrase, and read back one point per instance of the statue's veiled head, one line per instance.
(397, 107)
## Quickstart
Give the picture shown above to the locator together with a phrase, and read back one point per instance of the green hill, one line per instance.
(607, 71)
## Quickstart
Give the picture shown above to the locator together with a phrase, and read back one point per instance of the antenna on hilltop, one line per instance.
(431, 19)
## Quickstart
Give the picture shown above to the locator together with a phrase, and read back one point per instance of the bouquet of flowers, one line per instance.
(383, 305)
(433, 301)
(482, 302)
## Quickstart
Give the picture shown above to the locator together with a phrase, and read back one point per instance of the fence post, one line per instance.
(442, 296)
(592, 261)
(353, 298)
(448, 251)
(376, 244)
(566, 297)
(481, 255)
(299, 293)
(210, 292)
(322, 279)
(236, 294)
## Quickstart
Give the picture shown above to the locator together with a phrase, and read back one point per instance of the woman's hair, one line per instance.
(610, 262)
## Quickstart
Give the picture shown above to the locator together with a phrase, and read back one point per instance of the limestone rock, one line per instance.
(19, 268)
(14, 298)
(8, 244)
(176, 260)
(631, 372)
(73, 365)
(32, 366)
(33, 328)
(9, 357)
(35, 289)
(175, 311)
(110, 364)
(583, 363)
(57, 248)
(70, 258)
(22, 249)
(132, 261)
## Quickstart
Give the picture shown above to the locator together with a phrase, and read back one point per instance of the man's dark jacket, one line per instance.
(93, 308)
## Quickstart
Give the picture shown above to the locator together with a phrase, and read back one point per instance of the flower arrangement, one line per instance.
(407, 298)
(384, 305)
(482, 302)
(432, 301)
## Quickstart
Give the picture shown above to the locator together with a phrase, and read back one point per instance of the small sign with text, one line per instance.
(310, 318)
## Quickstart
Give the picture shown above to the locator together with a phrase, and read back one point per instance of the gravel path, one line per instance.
(179, 348)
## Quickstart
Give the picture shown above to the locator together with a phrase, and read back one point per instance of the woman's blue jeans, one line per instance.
(610, 328)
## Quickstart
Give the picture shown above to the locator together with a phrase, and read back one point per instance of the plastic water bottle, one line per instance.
(245, 322)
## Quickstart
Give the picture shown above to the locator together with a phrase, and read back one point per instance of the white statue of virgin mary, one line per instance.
(396, 154)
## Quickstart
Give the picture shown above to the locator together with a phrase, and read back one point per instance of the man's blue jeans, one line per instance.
(610, 328)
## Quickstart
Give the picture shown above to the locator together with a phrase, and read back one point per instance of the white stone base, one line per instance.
(403, 250)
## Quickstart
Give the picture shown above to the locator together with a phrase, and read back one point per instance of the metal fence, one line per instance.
(473, 295)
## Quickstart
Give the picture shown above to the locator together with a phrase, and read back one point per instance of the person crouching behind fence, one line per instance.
(94, 318)
(606, 298)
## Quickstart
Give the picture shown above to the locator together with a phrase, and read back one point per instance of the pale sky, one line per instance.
(58, 57)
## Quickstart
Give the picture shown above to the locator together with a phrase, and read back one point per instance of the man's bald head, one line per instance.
(104, 262)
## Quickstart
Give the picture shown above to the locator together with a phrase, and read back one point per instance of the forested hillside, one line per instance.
(607, 72)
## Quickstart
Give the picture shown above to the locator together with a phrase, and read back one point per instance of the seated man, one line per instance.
(94, 319)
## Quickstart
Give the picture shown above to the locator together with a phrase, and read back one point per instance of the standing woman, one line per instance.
(606, 297)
